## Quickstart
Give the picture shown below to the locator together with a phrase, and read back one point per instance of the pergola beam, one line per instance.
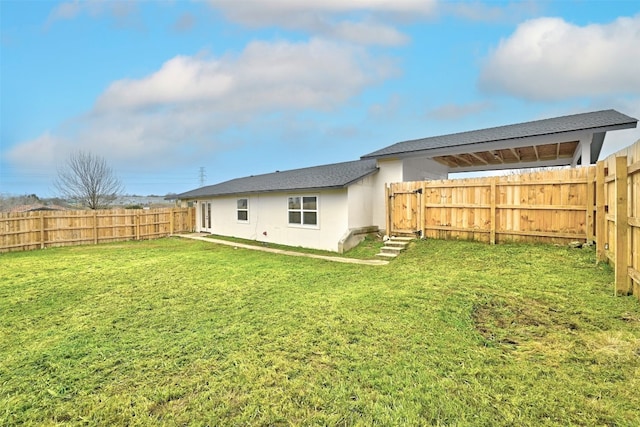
(474, 155)
(459, 157)
(521, 165)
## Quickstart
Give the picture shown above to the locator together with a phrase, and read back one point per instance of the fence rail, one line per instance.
(43, 229)
(600, 203)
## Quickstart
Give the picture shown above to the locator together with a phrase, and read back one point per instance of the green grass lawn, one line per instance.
(182, 332)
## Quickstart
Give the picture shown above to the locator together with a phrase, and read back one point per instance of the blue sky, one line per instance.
(243, 87)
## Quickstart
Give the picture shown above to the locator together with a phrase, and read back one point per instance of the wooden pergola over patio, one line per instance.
(561, 141)
(510, 156)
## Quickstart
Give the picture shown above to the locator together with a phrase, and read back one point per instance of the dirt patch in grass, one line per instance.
(513, 322)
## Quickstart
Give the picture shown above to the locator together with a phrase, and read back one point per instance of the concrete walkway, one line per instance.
(200, 236)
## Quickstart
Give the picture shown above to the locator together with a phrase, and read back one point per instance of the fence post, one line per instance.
(601, 220)
(171, 224)
(387, 209)
(41, 229)
(423, 224)
(492, 197)
(95, 227)
(623, 282)
(137, 224)
(589, 223)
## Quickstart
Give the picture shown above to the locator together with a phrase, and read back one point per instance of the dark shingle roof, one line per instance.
(337, 175)
(576, 122)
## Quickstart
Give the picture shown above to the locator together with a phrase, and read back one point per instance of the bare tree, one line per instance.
(87, 179)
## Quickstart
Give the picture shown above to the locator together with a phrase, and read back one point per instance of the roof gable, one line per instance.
(337, 175)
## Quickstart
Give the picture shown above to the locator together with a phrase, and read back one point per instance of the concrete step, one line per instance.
(399, 243)
(386, 255)
(394, 246)
(401, 238)
(391, 249)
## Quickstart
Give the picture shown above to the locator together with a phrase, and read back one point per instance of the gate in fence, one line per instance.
(404, 212)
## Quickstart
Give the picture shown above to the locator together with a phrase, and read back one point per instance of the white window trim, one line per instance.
(242, 221)
(315, 226)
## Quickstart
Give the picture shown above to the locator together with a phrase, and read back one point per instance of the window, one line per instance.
(303, 210)
(243, 210)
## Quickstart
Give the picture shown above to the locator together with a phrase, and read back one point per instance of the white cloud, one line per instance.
(490, 12)
(181, 79)
(363, 22)
(368, 33)
(260, 12)
(315, 74)
(458, 111)
(550, 59)
(39, 153)
(66, 10)
(124, 13)
(190, 105)
(184, 23)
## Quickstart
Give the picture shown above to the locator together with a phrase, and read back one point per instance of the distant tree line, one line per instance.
(9, 202)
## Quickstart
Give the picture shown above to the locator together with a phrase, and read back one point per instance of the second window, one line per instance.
(303, 210)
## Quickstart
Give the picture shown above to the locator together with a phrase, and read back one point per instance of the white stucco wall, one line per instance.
(360, 209)
(422, 168)
(389, 171)
(268, 212)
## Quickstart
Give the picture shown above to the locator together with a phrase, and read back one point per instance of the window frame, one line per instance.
(238, 210)
(302, 211)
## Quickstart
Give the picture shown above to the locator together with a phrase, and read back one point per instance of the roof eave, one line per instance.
(275, 190)
(283, 190)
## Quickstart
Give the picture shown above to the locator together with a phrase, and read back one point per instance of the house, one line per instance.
(322, 207)
(36, 208)
(332, 206)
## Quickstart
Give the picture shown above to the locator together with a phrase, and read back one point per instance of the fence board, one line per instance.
(33, 230)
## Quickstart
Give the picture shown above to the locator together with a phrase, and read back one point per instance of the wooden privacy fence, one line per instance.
(552, 206)
(42, 229)
(557, 206)
(618, 217)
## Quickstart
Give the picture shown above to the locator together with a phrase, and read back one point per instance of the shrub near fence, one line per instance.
(42, 229)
